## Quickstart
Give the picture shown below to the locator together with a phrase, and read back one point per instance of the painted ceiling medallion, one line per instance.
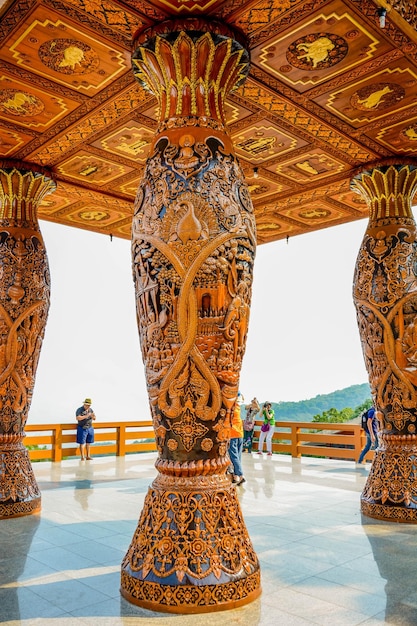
(94, 216)
(409, 133)
(19, 103)
(314, 214)
(317, 51)
(377, 96)
(68, 56)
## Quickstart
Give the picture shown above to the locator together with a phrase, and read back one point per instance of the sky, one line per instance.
(303, 339)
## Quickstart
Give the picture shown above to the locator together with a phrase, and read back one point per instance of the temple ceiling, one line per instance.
(330, 90)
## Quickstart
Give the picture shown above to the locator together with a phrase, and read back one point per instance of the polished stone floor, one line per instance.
(322, 562)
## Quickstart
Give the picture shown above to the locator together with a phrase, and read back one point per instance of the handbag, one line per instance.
(265, 427)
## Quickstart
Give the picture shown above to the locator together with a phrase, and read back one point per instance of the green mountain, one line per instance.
(305, 410)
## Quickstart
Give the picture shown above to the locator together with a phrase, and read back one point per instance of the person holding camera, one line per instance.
(267, 428)
(252, 410)
(85, 431)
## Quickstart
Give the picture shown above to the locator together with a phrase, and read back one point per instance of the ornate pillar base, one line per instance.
(191, 552)
(19, 491)
(390, 492)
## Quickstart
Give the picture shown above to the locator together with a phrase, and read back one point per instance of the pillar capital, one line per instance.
(388, 187)
(190, 65)
(22, 188)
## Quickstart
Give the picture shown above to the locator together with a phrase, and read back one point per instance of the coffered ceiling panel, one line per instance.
(330, 89)
(130, 140)
(11, 140)
(400, 137)
(91, 169)
(392, 89)
(26, 105)
(320, 47)
(263, 140)
(52, 46)
(261, 187)
(314, 213)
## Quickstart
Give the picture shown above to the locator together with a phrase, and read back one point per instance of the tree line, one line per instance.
(339, 406)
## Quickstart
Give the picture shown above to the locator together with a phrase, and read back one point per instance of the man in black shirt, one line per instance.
(85, 431)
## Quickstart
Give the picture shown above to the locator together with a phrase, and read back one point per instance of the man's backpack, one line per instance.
(364, 420)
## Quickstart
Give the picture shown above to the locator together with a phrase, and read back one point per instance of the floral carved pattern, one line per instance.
(205, 541)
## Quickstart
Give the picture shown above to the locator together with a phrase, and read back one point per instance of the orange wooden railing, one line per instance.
(55, 442)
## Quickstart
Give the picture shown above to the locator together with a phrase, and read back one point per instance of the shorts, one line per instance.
(85, 435)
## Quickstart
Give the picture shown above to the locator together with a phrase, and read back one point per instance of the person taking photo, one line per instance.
(85, 431)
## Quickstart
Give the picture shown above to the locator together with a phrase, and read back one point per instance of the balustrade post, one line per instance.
(24, 306)
(57, 438)
(121, 440)
(359, 440)
(193, 247)
(385, 296)
(295, 431)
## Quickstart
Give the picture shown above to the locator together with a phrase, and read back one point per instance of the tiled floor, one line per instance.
(322, 562)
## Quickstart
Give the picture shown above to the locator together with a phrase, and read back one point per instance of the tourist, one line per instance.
(267, 428)
(85, 431)
(252, 410)
(235, 444)
(370, 426)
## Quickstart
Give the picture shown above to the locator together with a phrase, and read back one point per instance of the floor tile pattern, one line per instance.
(322, 562)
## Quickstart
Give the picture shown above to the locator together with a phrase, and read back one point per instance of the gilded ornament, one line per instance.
(317, 51)
(68, 56)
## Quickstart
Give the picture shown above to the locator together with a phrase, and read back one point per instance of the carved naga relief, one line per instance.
(24, 305)
(23, 313)
(385, 294)
(389, 322)
(193, 248)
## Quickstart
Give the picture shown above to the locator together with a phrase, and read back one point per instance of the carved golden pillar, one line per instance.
(24, 305)
(193, 247)
(385, 295)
